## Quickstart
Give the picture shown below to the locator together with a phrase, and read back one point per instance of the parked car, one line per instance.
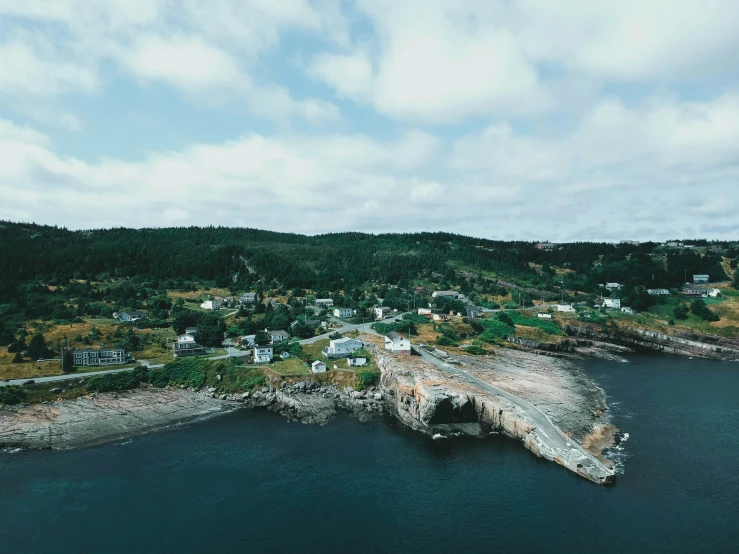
(29, 382)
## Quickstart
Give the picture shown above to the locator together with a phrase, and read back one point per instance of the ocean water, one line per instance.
(253, 482)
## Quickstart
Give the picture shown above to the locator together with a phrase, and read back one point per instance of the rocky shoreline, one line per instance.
(540, 402)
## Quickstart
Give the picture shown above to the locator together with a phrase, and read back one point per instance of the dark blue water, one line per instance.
(252, 482)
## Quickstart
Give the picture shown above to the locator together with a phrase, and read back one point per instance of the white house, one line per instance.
(714, 293)
(425, 311)
(613, 286)
(318, 367)
(185, 345)
(439, 317)
(356, 361)
(342, 312)
(248, 340)
(381, 311)
(701, 278)
(338, 348)
(628, 311)
(447, 293)
(397, 343)
(214, 304)
(263, 354)
(324, 302)
(248, 298)
(278, 336)
(567, 308)
(614, 303)
(658, 292)
(544, 316)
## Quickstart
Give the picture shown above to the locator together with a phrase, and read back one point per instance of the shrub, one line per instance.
(680, 312)
(187, 371)
(124, 380)
(699, 308)
(366, 379)
(505, 318)
(444, 340)
(12, 395)
(496, 331)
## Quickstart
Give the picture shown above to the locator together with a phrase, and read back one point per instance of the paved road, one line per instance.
(346, 327)
(64, 377)
(544, 424)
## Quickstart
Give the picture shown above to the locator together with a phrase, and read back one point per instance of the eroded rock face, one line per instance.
(101, 417)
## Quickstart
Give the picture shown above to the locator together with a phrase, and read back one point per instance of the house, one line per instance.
(425, 311)
(380, 311)
(214, 304)
(545, 246)
(701, 279)
(102, 357)
(695, 293)
(130, 316)
(446, 294)
(185, 345)
(628, 311)
(342, 312)
(567, 308)
(658, 292)
(263, 354)
(284, 355)
(192, 331)
(613, 286)
(673, 244)
(324, 302)
(439, 317)
(318, 367)
(474, 311)
(397, 344)
(248, 298)
(714, 293)
(278, 336)
(544, 316)
(248, 340)
(312, 324)
(630, 242)
(339, 348)
(614, 303)
(356, 361)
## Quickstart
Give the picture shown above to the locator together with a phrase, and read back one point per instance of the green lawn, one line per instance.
(315, 349)
(101, 320)
(291, 366)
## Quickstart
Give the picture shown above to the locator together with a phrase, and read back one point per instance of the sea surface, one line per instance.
(253, 482)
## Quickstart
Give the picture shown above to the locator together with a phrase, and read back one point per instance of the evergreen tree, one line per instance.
(37, 347)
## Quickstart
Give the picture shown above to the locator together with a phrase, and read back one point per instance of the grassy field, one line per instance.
(291, 366)
(315, 349)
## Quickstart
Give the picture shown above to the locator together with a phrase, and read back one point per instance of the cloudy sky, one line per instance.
(530, 119)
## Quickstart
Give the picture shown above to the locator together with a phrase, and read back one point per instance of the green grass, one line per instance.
(315, 349)
(546, 326)
(291, 366)
(101, 320)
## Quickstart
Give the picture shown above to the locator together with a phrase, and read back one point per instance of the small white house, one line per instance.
(567, 308)
(439, 317)
(381, 311)
(248, 340)
(658, 292)
(130, 316)
(342, 312)
(446, 293)
(278, 336)
(263, 354)
(714, 293)
(614, 303)
(544, 316)
(248, 298)
(701, 278)
(397, 344)
(613, 286)
(356, 361)
(628, 311)
(425, 311)
(284, 355)
(318, 367)
(338, 348)
(324, 302)
(214, 304)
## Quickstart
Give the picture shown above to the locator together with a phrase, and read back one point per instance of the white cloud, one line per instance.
(9, 131)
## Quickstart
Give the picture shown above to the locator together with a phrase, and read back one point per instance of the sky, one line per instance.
(503, 119)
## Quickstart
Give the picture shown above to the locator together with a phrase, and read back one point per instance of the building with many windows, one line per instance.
(185, 345)
(102, 357)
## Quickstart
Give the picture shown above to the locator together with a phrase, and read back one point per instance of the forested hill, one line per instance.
(239, 257)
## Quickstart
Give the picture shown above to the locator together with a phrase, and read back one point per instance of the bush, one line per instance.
(680, 312)
(366, 379)
(12, 395)
(187, 371)
(699, 308)
(505, 318)
(112, 382)
(496, 331)
(415, 318)
(443, 340)
(476, 349)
